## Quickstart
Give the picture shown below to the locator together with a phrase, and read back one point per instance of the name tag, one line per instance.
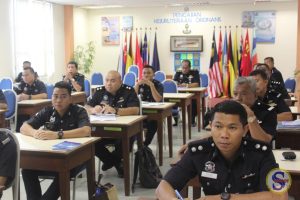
(209, 175)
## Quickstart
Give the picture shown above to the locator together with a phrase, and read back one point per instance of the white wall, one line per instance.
(284, 49)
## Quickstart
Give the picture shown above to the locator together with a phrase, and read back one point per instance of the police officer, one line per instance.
(187, 77)
(271, 97)
(75, 79)
(3, 104)
(60, 121)
(8, 157)
(150, 90)
(275, 73)
(30, 88)
(115, 98)
(19, 78)
(228, 165)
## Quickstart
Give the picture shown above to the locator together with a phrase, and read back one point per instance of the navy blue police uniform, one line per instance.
(79, 79)
(274, 99)
(48, 118)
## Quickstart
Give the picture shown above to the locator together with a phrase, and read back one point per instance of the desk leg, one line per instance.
(64, 185)
(125, 147)
(184, 123)
(160, 141)
(189, 109)
(90, 171)
(170, 135)
(198, 99)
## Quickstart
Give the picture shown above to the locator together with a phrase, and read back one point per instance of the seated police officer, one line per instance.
(229, 166)
(60, 121)
(19, 78)
(114, 98)
(3, 104)
(8, 157)
(29, 88)
(75, 79)
(262, 118)
(187, 77)
(150, 90)
(271, 97)
(275, 74)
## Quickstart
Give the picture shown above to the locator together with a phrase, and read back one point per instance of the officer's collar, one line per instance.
(67, 113)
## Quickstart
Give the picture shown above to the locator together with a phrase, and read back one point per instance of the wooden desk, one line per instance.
(293, 167)
(31, 107)
(158, 112)
(78, 98)
(123, 128)
(288, 138)
(38, 155)
(2, 118)
(184, 101)
(200, 98)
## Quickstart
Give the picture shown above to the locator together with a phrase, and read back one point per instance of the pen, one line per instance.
(178, 195)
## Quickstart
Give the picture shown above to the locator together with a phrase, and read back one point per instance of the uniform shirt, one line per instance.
(8, 157)
(274, 99)
(266, 117)
(191, 77)
(79, 78)
(145, 92)
(277, 76)
(125, 97)
(246, 174)
(278, 87)
(75, 117)
(2, 97)
(37, 87)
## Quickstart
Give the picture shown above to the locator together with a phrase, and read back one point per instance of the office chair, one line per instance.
(134, 69)
(97, 79)
(49, 88)
(160, 76)
(129, 79)
(6, 83)
(290, 84)
(12, 104)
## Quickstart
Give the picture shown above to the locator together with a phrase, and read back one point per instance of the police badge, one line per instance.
(105, 97)
(210, 166)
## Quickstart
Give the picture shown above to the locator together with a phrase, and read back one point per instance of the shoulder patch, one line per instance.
(100, 88)
(127, 87)
(201, 146)
(256, 145)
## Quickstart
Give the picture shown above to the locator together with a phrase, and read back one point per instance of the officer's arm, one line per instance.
(156, 96)
(165, 191)
(256, 196)
(76, 85)
(27, 129)
(284, 116)
(39, 96)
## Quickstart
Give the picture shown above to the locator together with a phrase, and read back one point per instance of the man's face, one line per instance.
(61, 99)
(28, 77)
(148, 74)
(261, 84)
(243, 94)
(26, 65)
(269, 63)
(185, 68)
(227, 132)
(71, 68)
(112, 82)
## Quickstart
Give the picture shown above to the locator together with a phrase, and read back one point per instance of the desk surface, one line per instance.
(33, 102)
(178, 95)
(158, 106)
(295, 110)
(195, 89)
(2, 111)
(28, 143)
(121, 120)
(290, 166)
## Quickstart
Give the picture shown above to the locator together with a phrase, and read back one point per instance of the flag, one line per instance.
(145, 50)
(246, 67)
(235, 55)
(155, 60)
(240, 54)
(254, 53)
(122, 57)
(231, 73)
(129, 57)
(138, 58)
(215, 86)
(220, 53)
(225, 67)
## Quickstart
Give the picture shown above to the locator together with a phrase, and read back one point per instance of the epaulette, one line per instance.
(251, 144)
(201, 146)
(179, 70)
(263, 106)
(127, 87)
(100, 88)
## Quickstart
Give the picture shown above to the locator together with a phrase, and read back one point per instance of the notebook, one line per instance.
(65, 145)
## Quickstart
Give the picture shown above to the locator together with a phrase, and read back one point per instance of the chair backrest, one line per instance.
(11, 100)
(97, 79)
(87, 87)
(170, 86)
(129, 79)
(49, 88)
(16, 182)
(204, 80)
(160, 76)
(134, 69)
(6, 84)
(290, 84)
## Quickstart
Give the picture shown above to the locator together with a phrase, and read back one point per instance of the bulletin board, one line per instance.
(193, 57)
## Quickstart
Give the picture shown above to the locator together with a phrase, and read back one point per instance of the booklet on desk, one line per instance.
(103, 117)
(65, 145)
(289, 124)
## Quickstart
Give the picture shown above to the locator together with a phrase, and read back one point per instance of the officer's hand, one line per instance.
(250, 113)
(45, 135)
(182, 150)
(22, 97)
(108, 109)
(97, 109)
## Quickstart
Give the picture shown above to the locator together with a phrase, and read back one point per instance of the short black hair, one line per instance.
(63, 85)
(188, 61)
(73, 63)
(270, 58)
(149, 67)
(230, 107)
(260, 72)
(27, 62)
(30, 69)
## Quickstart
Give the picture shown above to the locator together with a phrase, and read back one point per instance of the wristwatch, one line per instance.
(251, 119)
(60, 134)
(225, 196)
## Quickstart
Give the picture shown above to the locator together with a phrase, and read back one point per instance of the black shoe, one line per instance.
(106, 166)
(120, 169)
